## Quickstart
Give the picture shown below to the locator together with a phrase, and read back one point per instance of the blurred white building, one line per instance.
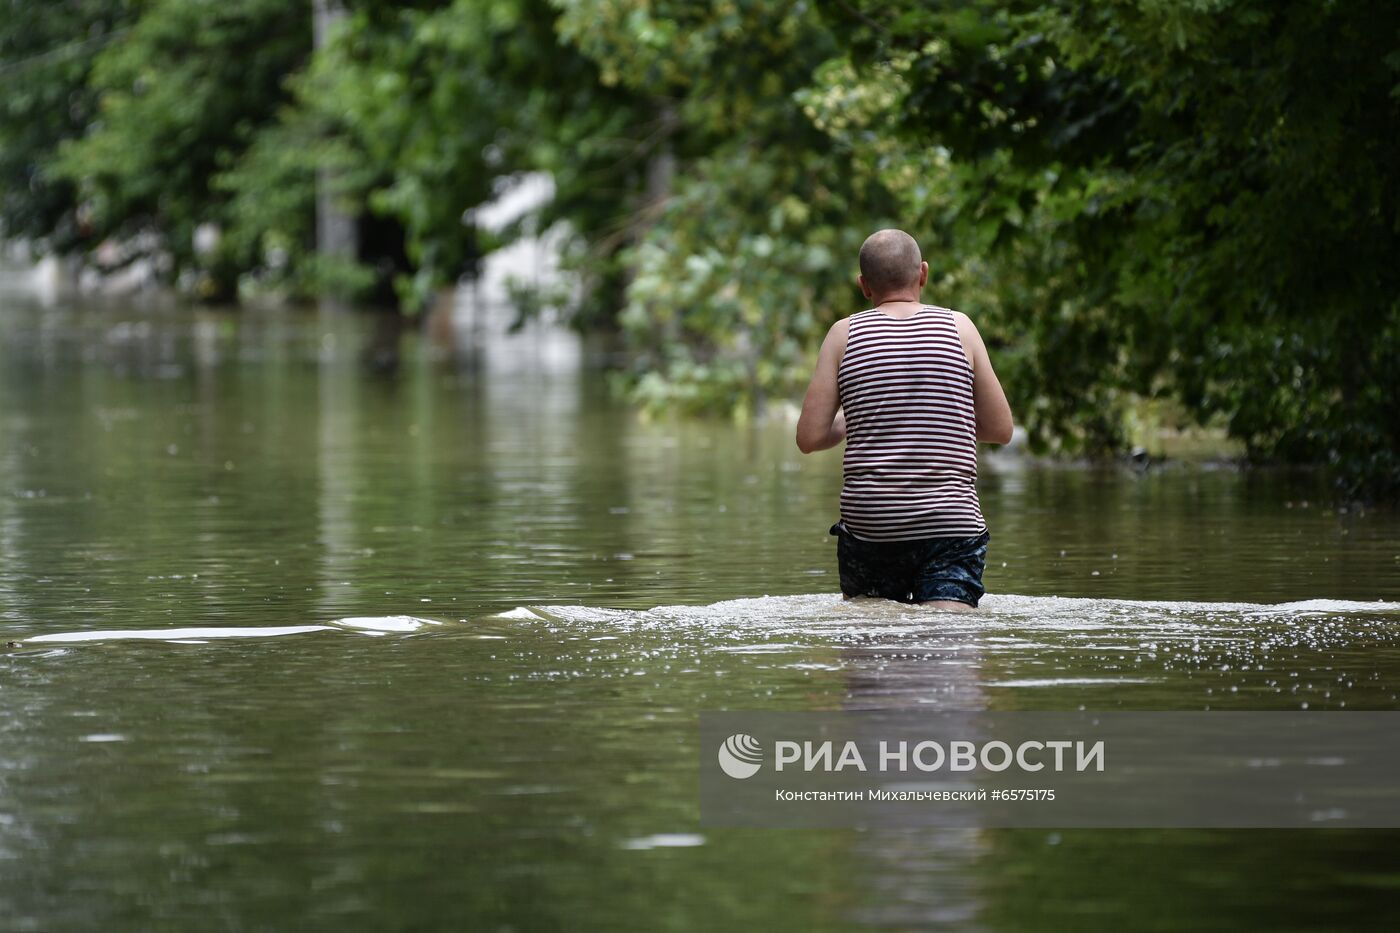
(483, 312)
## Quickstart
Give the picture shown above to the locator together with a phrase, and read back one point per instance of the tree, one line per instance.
(179, 97)
(426, 110)
(1188, 201)
(742, 259)
(46, 54)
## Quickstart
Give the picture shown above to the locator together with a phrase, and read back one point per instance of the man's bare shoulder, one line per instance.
(967, 333)
(840, 329)
(964, 324)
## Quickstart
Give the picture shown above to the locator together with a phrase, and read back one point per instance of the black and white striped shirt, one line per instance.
(911, 433)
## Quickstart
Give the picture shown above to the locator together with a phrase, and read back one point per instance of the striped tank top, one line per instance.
(910, 467)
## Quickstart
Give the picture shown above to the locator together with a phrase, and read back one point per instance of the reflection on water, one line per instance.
(555, 588)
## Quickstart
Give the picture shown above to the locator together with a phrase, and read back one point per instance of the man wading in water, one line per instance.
(910, 389)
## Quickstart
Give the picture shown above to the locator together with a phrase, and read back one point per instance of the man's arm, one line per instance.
(988, 400)
(822, 424)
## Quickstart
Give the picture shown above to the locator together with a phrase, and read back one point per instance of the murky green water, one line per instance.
(173, 470)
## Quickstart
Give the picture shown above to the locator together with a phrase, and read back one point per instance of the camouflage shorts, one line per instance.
(912, 571)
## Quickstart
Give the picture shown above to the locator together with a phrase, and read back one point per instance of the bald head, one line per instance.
(890, 261)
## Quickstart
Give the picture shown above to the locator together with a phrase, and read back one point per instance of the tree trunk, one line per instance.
(336, 236)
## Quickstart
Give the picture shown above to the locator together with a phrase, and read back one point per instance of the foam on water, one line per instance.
(382, 625)
(177, 634)
(359, 625)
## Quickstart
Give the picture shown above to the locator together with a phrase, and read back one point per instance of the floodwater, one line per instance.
(313, 636)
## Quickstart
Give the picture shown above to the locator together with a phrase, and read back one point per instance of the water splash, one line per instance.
(1314, 651)
(1001, 616)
